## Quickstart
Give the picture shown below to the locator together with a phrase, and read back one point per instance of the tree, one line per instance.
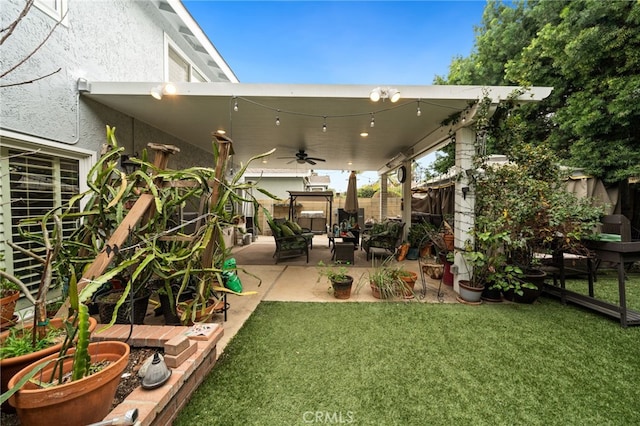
(588, 51)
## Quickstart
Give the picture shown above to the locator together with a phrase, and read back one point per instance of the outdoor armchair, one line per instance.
(288, 243)
(386, 236)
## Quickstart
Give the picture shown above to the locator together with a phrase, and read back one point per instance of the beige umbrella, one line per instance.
(351, 202)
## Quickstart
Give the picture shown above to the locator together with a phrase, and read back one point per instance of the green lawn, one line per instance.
(423, 364)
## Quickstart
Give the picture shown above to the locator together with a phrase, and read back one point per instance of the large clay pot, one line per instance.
(468, 293)
(342, 289)
(80, 402)
(10, 366)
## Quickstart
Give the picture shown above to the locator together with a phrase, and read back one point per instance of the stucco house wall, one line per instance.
(111, 40)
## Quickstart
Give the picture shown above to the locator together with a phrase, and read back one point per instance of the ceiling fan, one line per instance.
(302, 157)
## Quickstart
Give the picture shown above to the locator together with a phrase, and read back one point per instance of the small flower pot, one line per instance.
(342, 289)
(469, 293)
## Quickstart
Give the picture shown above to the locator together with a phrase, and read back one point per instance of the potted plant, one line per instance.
(486, 261)
(74, 386)
(389, 280)
(338, 275)
(406, 281)
(418, 238)
(9, 295)
(383, 282)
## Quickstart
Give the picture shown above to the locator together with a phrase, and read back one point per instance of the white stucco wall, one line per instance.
(108, 40)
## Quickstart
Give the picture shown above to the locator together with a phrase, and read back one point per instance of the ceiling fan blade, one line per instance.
(315, 159)
(310, 161)
(289, 162)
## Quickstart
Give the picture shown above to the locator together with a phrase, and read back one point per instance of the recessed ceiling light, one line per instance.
(349, 163)
(364, 134)
(221, 132)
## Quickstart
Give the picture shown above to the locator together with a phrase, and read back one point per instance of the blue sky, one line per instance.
(338, 42)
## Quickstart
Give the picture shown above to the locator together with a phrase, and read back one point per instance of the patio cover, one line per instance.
(198, 109)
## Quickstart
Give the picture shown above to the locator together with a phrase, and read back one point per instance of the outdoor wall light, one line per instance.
(465, 189)
(163, 89)
(384, 93)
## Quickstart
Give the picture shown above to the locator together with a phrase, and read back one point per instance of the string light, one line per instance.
(324, 125)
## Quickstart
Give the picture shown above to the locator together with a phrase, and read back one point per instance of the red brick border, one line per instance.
(161, 406)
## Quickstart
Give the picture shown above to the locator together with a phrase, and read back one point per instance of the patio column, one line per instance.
(406, 199)
(383, 196)
(465, 201)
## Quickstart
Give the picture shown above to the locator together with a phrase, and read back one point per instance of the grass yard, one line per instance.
(423, 364)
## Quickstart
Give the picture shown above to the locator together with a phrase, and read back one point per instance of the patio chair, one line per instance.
(288, 243)
(386, 236)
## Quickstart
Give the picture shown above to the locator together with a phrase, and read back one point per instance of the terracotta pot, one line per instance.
(342, 289)
(10, 366)
(213, 306)
(80, 402)
(433, 270)
(409, 282)
(449, 241)
(468, 293)
(8, 307)
(375, 291)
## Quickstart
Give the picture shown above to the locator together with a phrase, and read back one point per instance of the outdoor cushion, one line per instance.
(286, 231)
(277, 232)
(294, 227)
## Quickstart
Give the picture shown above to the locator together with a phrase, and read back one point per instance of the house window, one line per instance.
(57, 9)
(180, 69)
(35, 184)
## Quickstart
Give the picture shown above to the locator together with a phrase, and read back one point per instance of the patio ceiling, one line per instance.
(198, 109)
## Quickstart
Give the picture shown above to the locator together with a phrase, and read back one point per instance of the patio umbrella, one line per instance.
(351, 202)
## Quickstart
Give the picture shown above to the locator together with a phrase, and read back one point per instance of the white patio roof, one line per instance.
(198, 109)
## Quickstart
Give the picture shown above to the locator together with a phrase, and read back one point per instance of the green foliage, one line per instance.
(334, 273)
(527, 199)
(587, 50)
(419, 234)
(369, 190)
(19, 342)
(81, 357)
